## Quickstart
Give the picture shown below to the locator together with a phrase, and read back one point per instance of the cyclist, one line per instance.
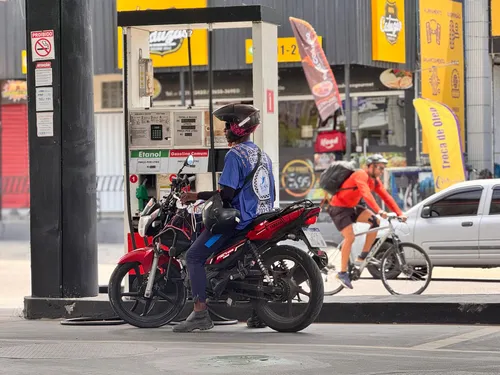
(247, 185)
(345, 209)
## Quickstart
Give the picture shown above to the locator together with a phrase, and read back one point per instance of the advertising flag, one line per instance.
(441, 132)
(317, 70)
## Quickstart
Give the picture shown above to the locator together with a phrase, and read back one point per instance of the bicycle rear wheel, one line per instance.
(414, 265)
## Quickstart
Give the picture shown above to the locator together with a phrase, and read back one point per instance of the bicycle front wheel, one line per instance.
(415, 269)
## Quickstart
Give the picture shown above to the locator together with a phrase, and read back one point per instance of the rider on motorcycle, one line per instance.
(250, 197)
(345, 209)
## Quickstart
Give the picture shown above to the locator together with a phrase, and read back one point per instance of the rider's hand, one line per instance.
(383, 215)
(189, 196)
(403, 218)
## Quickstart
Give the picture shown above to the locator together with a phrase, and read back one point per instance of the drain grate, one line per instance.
(74, 350)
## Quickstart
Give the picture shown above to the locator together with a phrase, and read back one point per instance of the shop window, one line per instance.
(112, 95)
(297, 119)
(380, 120)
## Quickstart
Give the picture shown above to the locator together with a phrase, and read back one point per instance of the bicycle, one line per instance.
(392, 264)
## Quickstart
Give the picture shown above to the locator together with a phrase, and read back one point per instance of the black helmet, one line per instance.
(376, 159)
(241, 119)
(217, 219)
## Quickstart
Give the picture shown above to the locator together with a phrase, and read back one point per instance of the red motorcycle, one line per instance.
(254, 267)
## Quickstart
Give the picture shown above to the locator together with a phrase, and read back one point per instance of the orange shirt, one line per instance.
(365, 185)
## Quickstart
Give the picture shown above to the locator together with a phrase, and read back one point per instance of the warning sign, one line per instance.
(42, 45)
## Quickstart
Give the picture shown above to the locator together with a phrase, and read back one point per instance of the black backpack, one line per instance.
(335, 175)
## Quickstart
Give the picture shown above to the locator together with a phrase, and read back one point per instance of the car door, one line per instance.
(489, 229)
(448, 227)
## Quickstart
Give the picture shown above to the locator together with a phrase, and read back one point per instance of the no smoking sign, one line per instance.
(42, 45)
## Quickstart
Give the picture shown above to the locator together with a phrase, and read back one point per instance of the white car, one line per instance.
(457, 227)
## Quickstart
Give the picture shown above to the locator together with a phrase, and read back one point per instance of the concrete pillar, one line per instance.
(265, 92)
(478, 84)
(496, 112)
(396, 123)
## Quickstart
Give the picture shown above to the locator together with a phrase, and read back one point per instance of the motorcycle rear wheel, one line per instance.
(144, 321)
(316, 291)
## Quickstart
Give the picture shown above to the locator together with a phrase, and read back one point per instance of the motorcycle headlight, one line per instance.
(145, 222)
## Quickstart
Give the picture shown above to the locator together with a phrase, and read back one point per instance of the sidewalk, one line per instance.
(15, 270)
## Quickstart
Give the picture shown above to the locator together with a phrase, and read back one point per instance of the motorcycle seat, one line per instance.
(261, 218)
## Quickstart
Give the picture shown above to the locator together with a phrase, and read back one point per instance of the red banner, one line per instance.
(317, 70)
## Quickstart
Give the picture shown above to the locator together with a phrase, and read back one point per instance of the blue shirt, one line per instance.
(258, 196)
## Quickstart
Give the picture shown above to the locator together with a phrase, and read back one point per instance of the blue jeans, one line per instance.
(204, 246)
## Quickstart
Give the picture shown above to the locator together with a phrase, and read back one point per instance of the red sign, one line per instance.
(134, 179)
(270, 101)
(330, 141)
(172, 177)
(186, 153)
(43, 65)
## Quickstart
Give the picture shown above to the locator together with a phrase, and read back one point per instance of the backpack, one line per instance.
(335, 175)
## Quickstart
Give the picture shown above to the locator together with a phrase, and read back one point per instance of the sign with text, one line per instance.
(168, 48)
(388, 31)
(441, 133)
(288, 51)
(167, 161)
(150, 128)
(13, 92)
(188, 128)
(42, 45)
(442, 57)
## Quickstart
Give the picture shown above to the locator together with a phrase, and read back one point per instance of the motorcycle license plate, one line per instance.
(314, 237)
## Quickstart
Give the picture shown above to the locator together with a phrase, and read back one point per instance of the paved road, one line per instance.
(44, 347)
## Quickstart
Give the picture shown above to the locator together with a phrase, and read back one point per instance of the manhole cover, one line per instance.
(72, 350)
(238, 360)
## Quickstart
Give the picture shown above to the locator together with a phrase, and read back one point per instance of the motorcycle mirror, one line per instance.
(189, 160)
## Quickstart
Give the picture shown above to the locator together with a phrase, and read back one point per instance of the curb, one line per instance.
(445, 309)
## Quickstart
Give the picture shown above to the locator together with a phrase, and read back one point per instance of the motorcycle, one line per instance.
(254, 267)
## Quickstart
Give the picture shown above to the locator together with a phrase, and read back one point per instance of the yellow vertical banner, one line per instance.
(168, 48)
(24, 62)
(440, 129)
(495, 17)
(442, 57)
(388, 31)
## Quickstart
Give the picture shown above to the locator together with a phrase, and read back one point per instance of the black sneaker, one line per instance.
(196, 320)
(255, 322)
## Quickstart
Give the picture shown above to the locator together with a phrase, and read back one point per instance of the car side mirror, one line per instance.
(426, 212)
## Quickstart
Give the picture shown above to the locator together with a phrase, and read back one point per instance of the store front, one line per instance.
(14, 155)
(378, 119)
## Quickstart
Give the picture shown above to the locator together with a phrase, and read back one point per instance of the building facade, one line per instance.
(383, 118)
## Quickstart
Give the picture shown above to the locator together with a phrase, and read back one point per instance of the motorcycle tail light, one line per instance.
(312, 220)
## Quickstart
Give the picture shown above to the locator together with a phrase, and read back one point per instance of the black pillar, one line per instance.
(411, 132)
(62, 149)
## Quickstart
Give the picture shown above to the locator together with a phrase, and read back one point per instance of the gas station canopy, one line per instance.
(232, 17)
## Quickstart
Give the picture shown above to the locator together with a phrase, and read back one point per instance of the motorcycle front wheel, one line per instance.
(279, 311)
(166, 302)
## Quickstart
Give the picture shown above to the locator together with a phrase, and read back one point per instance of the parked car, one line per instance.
(457, 227)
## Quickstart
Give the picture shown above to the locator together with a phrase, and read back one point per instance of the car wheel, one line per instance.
(375, 269)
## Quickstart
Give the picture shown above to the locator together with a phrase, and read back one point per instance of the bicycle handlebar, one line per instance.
(393, 216)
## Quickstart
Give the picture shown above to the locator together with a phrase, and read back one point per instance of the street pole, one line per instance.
(61, 148)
